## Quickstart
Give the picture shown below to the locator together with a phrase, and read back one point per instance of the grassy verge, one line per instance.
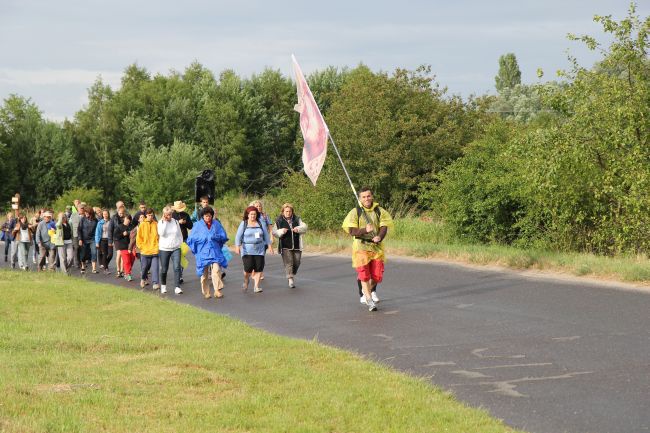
(424, 238)
(83, 357)
(417, 238)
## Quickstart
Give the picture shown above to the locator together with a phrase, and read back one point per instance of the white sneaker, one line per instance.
(363, 300)
(291, 284)
(372, 306)
(178, 290)
(374, 297)
(163, 289)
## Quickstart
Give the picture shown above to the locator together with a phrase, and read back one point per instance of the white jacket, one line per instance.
(170, 236)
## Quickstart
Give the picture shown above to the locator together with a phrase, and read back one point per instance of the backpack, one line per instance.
(262, 226)
(377, 212)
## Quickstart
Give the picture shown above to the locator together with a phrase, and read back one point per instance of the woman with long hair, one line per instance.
(86, 235)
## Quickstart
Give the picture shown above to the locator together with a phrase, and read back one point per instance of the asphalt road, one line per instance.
(544, 355)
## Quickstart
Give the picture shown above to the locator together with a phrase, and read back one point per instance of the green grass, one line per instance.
(427, 238)
(83, 357)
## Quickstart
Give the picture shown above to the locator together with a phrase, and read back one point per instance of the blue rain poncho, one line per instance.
(206, 244)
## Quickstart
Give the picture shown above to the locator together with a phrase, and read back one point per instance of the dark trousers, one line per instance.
(105, 253)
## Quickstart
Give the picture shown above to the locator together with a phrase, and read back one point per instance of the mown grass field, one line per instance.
(78, 356)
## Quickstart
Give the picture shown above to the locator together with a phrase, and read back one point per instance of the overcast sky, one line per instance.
(52, 51)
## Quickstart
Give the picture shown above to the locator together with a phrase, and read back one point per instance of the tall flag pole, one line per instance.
(314, 130)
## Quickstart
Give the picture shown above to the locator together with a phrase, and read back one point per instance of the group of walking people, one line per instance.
(88, 238)
(85, 237)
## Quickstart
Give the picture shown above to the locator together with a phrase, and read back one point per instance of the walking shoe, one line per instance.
(128, 278)
(374, 296)
(155, 286)
(291, 284)
(178, 290)
(181, 279)
(142, 284)
(218, 294)
(83, 271)
(363, 300)
(257, 290)
(95, 271)
(372, 306)
(107, 272)
(163, 289)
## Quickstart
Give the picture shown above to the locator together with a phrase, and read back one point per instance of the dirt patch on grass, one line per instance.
(65, 387)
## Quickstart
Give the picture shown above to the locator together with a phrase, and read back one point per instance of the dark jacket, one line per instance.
(120, 240)
(187, 225)
(116, 220)
(86, 230)
(289, 240)
(8, 228)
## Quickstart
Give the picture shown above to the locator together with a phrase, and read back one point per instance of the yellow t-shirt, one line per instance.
(364, 252)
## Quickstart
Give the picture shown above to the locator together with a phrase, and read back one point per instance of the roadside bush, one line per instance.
(92, 196)
(323, 206)
(479, 194)
(166, 174)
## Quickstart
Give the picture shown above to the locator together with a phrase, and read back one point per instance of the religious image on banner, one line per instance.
(313, 127)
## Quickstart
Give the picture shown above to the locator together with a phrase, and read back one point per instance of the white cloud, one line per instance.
(49, 77)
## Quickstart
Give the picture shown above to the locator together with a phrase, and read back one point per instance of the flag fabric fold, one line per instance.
(313, 127)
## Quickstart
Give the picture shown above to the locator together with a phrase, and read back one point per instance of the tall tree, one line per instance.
(20, 132)
(270, 129)
(509, 74)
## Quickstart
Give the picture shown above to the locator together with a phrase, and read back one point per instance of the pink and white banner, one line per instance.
(313, 127)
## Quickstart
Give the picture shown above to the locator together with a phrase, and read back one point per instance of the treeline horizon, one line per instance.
(561, 165)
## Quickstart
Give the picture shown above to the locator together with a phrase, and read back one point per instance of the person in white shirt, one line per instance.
(170, 238)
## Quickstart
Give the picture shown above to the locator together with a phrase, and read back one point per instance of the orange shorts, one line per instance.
(373, 270)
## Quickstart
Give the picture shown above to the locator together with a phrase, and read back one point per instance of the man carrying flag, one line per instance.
(368, 224)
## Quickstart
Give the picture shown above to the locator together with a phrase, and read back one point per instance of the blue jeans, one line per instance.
(89, 251)
(164, 265)
(7, 246)
(150, 262)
